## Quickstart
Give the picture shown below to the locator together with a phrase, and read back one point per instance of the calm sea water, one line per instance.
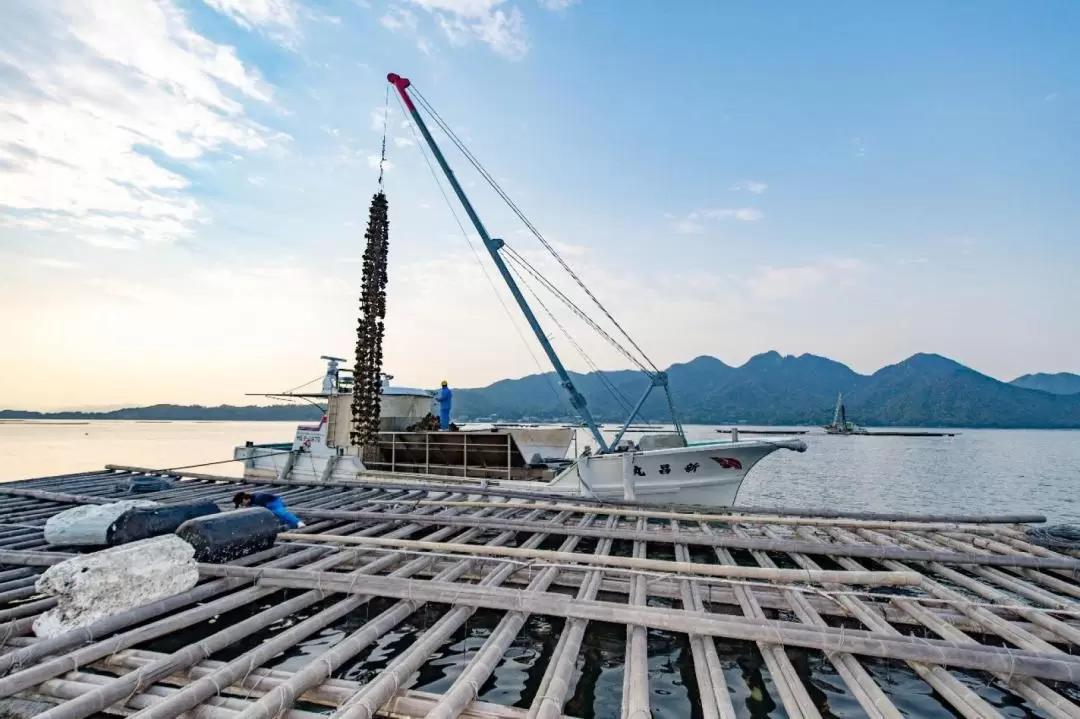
(978, 471)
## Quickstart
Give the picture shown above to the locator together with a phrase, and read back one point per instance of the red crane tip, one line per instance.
(397, 80)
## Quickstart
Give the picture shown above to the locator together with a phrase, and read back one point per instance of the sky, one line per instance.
(184, 187)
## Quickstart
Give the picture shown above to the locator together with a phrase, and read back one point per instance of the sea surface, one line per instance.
(977, 471)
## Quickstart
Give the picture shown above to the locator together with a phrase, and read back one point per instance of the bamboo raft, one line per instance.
(983, 620)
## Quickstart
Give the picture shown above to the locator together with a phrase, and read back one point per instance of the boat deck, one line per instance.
(984, 621)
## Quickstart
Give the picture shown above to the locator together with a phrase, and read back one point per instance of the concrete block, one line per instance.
(94, 586)
(88, 525)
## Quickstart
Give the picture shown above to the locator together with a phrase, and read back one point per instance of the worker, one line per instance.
(443, 397)
(268, 501)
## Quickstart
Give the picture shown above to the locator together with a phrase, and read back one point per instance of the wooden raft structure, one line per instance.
(967, 605)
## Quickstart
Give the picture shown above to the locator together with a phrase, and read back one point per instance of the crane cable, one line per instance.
(608, 384)
(511, 253)
(521, 215)
(560, 397)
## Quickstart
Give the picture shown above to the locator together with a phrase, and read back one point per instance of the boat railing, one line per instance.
(459, 453)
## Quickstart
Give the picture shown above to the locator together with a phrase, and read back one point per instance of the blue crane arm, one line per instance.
(577, 401)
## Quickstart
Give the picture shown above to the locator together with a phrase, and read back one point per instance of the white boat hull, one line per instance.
(708, 474)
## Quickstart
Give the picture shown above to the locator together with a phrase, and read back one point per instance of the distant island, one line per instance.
(770, 389)
(180, 413)
(1059, 383)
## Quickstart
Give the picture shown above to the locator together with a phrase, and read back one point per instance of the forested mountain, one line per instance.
(1059, 383)
(923, 390)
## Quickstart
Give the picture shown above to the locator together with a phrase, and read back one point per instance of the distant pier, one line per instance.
(884, 433)
(785, 432)
(890, 433)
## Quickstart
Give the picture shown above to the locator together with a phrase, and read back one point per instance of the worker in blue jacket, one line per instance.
(268, 501)
(443, 397)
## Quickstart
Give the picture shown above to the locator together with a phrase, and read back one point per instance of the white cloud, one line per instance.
(568, 249)
(110, 242)
(558, 5)
(94, 94)
(379, 118)
(424, 45)
(745, 214)
(689, 227)
(692, 224)
(257, 180)
(466, 8)
(783, 283)
(54, 264)
(262, 14)
(504, 32)
(373, 163)
(753, 186)
(398, 19)
(500, 26)
(403, 142)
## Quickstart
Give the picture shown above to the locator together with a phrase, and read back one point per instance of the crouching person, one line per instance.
(269, 501)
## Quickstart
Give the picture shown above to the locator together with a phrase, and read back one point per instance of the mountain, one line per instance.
(930, 390)
(923, 390)
(173, 412)
(1058, 383)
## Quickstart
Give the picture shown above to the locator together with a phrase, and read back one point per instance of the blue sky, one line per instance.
(184, 185)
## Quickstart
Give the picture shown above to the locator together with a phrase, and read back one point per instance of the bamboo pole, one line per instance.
(555, 685)
(1030, 689)
(1001, 626)
(78, 684)
(958, 695)
(1059, 668)
(732, 542)
(26, 609)
(536, 493)
(33, 675)
(249, 661)
(657, 565)
(712, 688)
(990, 545)
(313, 674)
(110, 692)
(106, 695)
(330, 693)
(366, 703)
(740, 515)
(466, 688)
(45, 496)
(635, 697)
(103, 627)
(1013, 584)
(1034, 691)
(17, 574)
(863, 687)
(793, 695)
(11, 631)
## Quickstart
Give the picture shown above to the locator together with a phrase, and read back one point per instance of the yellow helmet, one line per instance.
(444, 383)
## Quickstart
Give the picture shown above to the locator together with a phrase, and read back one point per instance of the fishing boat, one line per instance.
(404, 414)
(660, 468)
(840, 423)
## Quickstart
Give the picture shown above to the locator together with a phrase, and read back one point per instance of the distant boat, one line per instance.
(840, 424)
